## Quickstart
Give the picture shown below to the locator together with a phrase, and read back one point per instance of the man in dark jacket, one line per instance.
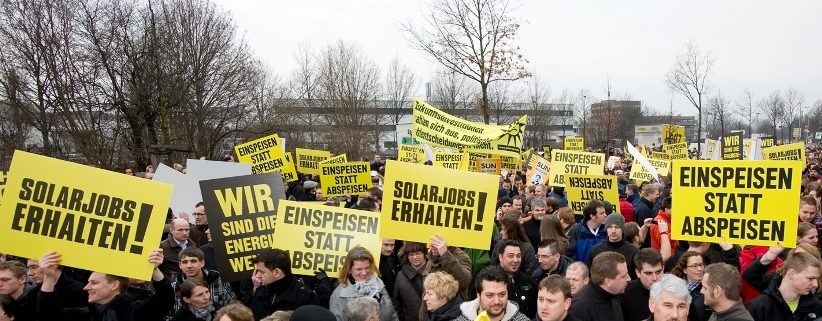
(551, 261)
(599, 300)
(554, 300)
(70, 292)
(669, 299)
(615, 225)
(644, 207)
(275, 288)
(790, 296)
(408, 289)
(106, 295)
(649, 270)
(522, 289)
(389, 264)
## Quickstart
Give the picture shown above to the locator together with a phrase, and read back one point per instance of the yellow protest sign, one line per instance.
(339, 159)
(744, 202)
(86, 213)
(491, 166)
(747, 145)
(580, 163)
(265, 155)
(673, 134)
(3, 176)
(353, 178)
(581, 189)
(539, 172)
(288, 157)
(732, 146)
(677, 151)
(308, 160)
(660, 155)
(573, 143)
(319, 237)
(437, 128)
(472, 160)
(448, 160)
(510, 164)
(458, 206)
(411, 154)
(524, 155)
(795, 152)
(546, 149)
(640, 173)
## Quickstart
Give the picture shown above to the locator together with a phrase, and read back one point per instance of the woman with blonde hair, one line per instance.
(440, 297)
(358, 278)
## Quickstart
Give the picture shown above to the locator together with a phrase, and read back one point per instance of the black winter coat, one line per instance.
(284, 294)
(593, 303)
(447, 312)
(126, 309)
(408, 293)
(771, 306)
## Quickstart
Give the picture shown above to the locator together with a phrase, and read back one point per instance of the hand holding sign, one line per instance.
(438, 246)
(49, 264)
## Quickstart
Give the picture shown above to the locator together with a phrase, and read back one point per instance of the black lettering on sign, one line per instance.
(330, 263)
(732, 227)
(428, 211)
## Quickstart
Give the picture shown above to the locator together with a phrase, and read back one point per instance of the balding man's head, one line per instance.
(179, 229)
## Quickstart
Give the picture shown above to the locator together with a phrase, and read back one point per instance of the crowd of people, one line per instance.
(543, 263)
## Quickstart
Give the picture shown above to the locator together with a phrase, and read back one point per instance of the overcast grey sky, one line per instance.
(763, 45)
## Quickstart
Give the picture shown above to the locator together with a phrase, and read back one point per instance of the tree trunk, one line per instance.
(486, 117)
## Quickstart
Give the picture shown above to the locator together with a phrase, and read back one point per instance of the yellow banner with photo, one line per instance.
(318, 236)
(640, 173)
(84, 212)
(565, 162)
(308, 160)
(539, 170)
(573, 143)
(352, 178)
(581, 189)
(736, 201)
(448, 160)
(411, 154)
(437, 128)
(456, 205)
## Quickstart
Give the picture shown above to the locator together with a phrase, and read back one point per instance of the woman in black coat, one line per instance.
(195, 302)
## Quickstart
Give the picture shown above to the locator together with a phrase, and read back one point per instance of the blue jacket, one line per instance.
(581, 240)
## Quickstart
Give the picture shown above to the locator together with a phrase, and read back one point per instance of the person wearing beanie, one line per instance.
(615, 226)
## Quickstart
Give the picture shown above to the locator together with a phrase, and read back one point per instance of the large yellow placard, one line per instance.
(437, 128)
(677, 151)
(308, 160)
(573, 143)
(795, 152)
(265, 155)
(420, 201)
(539, 170)
(97, 219)
(581, 189)
(353, 178)
(639, 172)
(339, 159)
(673, 134)
(411, 154)
(743, 202)
(448, 160)
(319, 237)
(579, 163)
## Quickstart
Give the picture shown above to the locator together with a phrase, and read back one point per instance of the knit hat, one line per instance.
(615, 218)
(312, 313)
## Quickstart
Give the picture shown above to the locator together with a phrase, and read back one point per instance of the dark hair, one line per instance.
(504, 244)
(367, 204)
(16, 267)
(666, 203)
(412, 247)
(187, 290)
(274, 259)
(513, 229)
(375, 192)
(604, 266)
(492, 273)
(648, 256)
(630, 231)
(726, 277)
(122, 279)
(682, 264)
(199, 204)
(9, 305)
(591, 209)
(503, 200)
(556, 284)
(633, 188)
(552, 246)
(192, 252)
(552, 203)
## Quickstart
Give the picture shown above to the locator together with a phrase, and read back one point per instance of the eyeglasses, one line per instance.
(198, 214)
(696, 266)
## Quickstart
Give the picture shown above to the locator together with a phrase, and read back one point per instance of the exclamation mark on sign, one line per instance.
(480, 210)
(142, 224)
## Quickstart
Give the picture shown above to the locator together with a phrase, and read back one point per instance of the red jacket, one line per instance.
(627, 210)
(654, 231)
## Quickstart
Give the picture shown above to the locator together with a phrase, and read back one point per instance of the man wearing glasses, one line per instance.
(198, 230)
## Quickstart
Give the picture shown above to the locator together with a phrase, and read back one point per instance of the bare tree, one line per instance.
(773, 108)
(689, 77)
(451, 92)
(719, 108)
(305, 81)
(400, 84)
(582, 112)
(814, 117)
(540, 111)
(474, 38)
(564, 106)
(747, 110)
(502, 96)
(793, 109)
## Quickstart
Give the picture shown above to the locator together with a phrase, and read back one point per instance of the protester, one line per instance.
(106, 295)
(389, 264)
(275, 288)
(408, 290)
(551, 261)
(669, 299)
(492, 298)
(13, 283)
(197, 231)
(312, 313)
(649, 270)
(720, 288)
(358, 278)
(451, 260)
(440, 297)
(591, 232)
(577, 276)
(510, 229)
(551, 229)
(522, 289)
(362, 309)
(645, 206)
(554, 300)
(192, 265)
(664, 215)
(691, 268)
(599, 300)
(195, 302)
(790, 296)
(567, 220)
(234, 312)
(615, 225)
(177, 241)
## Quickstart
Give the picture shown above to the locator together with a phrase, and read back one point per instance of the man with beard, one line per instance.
(492, 298)
(720, 288)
